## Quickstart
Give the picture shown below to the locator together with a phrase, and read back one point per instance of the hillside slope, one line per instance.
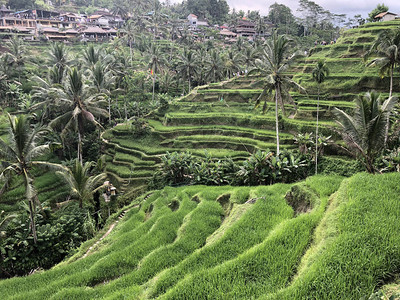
(220, 118)
(338, 239)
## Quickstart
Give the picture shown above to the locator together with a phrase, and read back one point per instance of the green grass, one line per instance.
(184, 239)
(183, 244)
(357, 244)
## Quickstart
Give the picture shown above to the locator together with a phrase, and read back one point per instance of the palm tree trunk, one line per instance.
(32, 218)
(109, 109)
(31, 203)
(80, 146)
(316, 137)
(189, 83)
(130, 51)
(154, 83)
(276, 120)
(125, 111)
(391, 81)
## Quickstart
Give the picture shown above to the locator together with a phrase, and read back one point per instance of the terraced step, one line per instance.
(234, 131)
(223, 142)
(242, 120)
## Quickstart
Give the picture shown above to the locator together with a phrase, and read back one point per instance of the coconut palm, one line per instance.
(19, 157)
(59, 59)
(4, 220)
(274, 62)
(250, 54)
(17, 54)
(80, 104)
(319, 73)
(156, 60)
(103, 82)
(232, 63)
(386, 50)
(81, 184)
(366, 132)
(214, 66)
(92, 55)
(187, 65)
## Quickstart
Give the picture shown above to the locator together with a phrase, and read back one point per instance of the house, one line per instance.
(192, 21)
(202, 23)
(246, 28)
(98, 19)
(385, 16)
(225, 33)
(4, 11)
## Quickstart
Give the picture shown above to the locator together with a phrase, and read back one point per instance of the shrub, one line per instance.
(56, 237)
(260, 168)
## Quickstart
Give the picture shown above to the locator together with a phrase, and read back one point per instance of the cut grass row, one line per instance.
(357, 244)
(264, 267)
(354, 248)
(118, 258)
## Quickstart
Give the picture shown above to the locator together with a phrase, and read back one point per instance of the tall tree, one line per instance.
(187, 65)
(20, 155)
(214, 66)
(58, 58)
(366, 132)
(274, 62)
(386, 50)
(319, 74)
(81, 106)
(232, 62)
(103, 81)
(380, 8)
(81, 183)
(156, 60)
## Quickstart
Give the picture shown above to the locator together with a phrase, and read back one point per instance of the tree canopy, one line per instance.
(380, 8)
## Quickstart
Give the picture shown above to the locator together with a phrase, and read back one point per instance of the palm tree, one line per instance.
(17, 54)
(232, 62)
(81, 184)
(19, 157)
(366, 131)
(387, 51)
(92, 55)
(275, 61)
(319, 73)
(130, 36)
(250, 54)
(4, 220)
(187, 65)
(81, 106)
(59, 59)
(155, 62)
(214, 66)
(103, 81)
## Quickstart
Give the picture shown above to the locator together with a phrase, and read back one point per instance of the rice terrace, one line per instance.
(199, 150)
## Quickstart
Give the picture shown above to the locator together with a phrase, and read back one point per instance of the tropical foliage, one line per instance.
(366, 132)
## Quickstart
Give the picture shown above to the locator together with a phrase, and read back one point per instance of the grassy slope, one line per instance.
(182, 243)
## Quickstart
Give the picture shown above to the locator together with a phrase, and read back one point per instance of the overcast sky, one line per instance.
(349, 7)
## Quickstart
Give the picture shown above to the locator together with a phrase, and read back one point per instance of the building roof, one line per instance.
(202, 23)
(246, 23)
(93, 29)
(5, 9)
(71, 31)
(192, 15)
(112, 30)
(227, 32)
(50, 29)
(69, 15)
(381, 15)
(95, 16)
